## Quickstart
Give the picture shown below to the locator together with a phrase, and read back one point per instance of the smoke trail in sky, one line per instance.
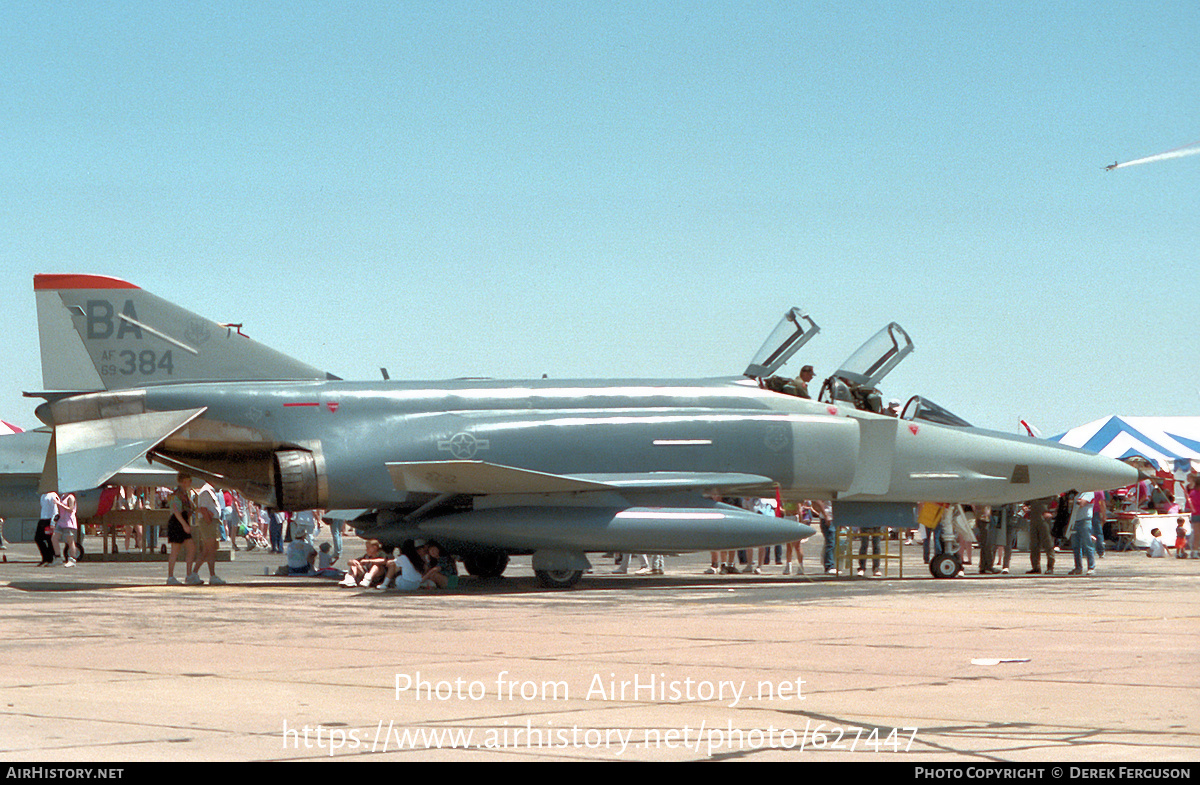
(1191, 148)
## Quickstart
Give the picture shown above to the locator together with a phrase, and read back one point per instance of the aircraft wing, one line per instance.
(87, 454)
(482, 478)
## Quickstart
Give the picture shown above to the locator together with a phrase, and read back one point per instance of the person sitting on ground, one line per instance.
(441, 572)
(325, 568)
(1158, 548)
(406, 571)
(301, 555)
(325, 557)
(367, 568)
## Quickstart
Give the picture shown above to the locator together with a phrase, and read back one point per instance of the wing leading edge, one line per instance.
(87, 454)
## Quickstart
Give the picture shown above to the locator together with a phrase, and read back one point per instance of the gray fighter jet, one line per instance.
(553, 468)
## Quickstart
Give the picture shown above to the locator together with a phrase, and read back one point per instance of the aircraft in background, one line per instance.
(22, 465)
(22, 455)
(1112, 166)
(552, 468)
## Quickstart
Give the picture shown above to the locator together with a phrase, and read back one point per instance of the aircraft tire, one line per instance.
(558, 579)
(944, 565)
(486, 565)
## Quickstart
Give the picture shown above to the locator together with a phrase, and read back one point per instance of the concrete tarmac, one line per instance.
(102, 662)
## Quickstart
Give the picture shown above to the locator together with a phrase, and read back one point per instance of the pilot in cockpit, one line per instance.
(800, 383)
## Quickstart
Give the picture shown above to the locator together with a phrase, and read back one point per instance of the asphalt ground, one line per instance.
(103, 662)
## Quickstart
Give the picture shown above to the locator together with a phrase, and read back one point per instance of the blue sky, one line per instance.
(616, 190)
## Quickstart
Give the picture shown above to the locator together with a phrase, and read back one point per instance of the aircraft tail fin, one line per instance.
(102, 333)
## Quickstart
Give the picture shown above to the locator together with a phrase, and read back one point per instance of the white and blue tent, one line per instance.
(1170, 443)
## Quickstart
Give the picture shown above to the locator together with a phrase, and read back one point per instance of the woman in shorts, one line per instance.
(179, 528)
(66, 529)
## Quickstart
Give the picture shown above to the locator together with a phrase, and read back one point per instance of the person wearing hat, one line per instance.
(801, 381)
(301, 555)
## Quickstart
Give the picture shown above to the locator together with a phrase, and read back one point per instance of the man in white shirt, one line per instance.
(205, 530)
(42, 538)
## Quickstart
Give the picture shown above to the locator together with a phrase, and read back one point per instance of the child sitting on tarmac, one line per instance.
(1157, 549)
(325, 558)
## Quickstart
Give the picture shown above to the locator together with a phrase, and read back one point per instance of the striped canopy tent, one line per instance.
(7, 428)
(1170, 443)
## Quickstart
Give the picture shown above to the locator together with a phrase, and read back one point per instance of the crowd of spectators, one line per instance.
(201, 517)
(416, 564)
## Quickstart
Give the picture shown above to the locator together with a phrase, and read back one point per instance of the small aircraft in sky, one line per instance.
(1112, 166)
(553, 468)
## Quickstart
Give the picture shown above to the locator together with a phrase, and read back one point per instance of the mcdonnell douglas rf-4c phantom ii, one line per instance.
(552, 468)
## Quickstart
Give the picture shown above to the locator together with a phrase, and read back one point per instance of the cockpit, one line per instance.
(857, 381)
(795, 329)
(919, 408)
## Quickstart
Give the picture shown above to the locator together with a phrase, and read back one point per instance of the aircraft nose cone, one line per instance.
(1090, 472)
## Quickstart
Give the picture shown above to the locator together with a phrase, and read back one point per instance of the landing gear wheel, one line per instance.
(486, 565)
(558, 579)
(944, 565)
